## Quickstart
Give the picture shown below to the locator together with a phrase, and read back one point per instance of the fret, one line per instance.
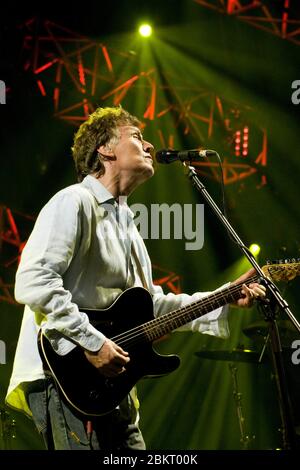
(170, 321)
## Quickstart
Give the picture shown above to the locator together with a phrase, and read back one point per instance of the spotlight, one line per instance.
(145, 30)
(255, 249)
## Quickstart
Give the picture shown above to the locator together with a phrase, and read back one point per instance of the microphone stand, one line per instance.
(270, 305)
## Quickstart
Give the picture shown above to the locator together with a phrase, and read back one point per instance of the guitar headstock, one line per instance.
(282, 269)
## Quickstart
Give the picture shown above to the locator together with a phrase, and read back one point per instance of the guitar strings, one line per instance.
(141, 333)
(137, 334)
(183, 311)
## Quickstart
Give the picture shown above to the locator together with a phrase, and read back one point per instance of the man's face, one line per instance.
(132, 154)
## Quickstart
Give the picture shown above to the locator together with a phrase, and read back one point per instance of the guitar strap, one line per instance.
(139, 267)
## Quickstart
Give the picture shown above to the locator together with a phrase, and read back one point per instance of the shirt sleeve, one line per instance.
(39, 279)
(214, 323)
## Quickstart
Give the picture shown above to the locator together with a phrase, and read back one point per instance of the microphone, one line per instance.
(170, 156)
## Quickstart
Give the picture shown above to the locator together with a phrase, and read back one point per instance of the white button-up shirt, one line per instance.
(79, 254)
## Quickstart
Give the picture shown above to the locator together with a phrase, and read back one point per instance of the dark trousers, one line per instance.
(63, 428)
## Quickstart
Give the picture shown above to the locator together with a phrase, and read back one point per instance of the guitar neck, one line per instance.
(164, 324)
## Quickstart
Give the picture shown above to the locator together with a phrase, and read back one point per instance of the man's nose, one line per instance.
(148, 147)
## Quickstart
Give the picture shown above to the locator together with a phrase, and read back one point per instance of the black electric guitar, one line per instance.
(129, 322)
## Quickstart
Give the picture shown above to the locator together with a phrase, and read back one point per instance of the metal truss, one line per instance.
(168, 279)
(73, 69)
(278, 17)
(14, 230)
(80, 74)
(213, 120)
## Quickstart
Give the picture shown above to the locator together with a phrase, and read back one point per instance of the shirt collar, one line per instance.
(99, 191)
(102, 194)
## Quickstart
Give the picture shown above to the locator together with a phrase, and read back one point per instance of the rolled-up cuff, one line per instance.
(90, 339)
(218, 327)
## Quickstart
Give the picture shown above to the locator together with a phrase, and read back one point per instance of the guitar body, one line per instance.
(129, 322)
(80, 383)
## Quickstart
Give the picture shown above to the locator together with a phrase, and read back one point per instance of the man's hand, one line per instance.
(249, 293)
(109, 360)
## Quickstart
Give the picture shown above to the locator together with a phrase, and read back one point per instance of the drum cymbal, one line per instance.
(236, 355)
(258, 330)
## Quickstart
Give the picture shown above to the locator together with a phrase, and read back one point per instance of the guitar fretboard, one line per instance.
(164, 324)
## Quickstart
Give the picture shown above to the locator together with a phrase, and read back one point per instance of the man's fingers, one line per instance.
(116, 369)
(120, 350)
(258, 290)
(259, 293)
(109, 360)
(112, 371)
(120, 360)
(246, 291)
(254, 291)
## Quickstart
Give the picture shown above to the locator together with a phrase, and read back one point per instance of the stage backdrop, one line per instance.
(203, 80)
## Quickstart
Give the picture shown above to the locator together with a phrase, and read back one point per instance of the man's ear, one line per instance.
(105, 150)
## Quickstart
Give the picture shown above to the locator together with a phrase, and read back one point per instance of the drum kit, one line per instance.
(258, 332)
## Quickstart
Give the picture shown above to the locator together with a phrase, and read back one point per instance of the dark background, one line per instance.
(193, 47)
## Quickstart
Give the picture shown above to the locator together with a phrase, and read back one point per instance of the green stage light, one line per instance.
(145, 30)
(255, 249)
